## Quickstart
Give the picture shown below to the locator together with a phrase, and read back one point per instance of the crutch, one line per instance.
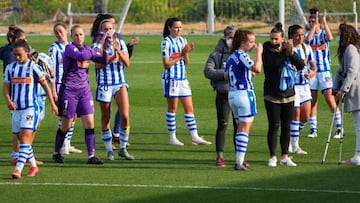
(329, 137)
(342, 133)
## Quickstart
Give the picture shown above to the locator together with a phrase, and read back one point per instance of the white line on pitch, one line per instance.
(185, 187)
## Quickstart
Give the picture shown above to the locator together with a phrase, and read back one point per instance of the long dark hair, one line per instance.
(240, 36)
(95, 26)
(348, 35)
(14, 33)
(168, 23)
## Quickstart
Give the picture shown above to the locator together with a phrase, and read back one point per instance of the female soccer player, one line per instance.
(319, 41)
(175, 57)
(75, 97)
(239, 68)
(20, 91)
(56, 52)
(111, 82)
(302, 106)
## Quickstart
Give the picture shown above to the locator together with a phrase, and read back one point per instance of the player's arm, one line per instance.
(329, 36)
(49, 95)
(256, 68)
(6, 91)
(185, 52)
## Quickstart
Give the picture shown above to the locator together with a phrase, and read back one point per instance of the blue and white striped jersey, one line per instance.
(305, 53)
(23, 82)
(238, 70)
(113, 73)
(321, 49)
(56, 52)
(171, 48)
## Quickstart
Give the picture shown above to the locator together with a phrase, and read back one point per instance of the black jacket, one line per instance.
(272, 63)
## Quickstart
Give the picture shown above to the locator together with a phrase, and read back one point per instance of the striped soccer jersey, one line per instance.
(56, 52)
(171, 48)
(238, 70)
(113, 73)
(305, 53)
(23, 79)
(321, 49)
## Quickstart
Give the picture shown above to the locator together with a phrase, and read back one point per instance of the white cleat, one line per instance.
(200, 141)
(72, 149)
(287, 162)
(176, 142)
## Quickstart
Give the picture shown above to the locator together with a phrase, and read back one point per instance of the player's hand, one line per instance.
(339, 95)
(55, 109)
(259, 48)
(187, 48)
(324, 16)
(11, 105)
(289, 46)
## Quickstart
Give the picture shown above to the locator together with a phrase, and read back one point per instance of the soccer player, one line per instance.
(75, 97)
(111, 83)
(242, 101)
(319, 40)
(56, 52)
(175, 57)
(20, 92)
(302, 104)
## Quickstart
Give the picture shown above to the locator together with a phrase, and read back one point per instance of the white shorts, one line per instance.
(243, 105)
(302, 95)
(105, 93)
(176, 88)
(27, 119)
(322, 80)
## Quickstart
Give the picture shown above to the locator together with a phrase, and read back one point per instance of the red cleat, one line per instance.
(33, 171)
(16, 174)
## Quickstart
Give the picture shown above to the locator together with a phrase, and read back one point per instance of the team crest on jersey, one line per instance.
(29, 118)
(76, 49)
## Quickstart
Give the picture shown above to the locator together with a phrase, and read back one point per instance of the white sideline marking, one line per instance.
(185, 187)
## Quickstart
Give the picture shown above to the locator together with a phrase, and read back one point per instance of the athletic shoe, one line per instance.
(72, 149)
(39, 163)
(352, 160)
(33, 171)
(125, 154)
(287, 162)
(200, 141)
(94, 160)
(64, 150)
(272, 162)
(110, 155)
(312, 134)
(113, 147)
(298, 150)
(176, 142)
(16, 174)
(58, 158)
(243, 167)
(220, 162)
(338, 133)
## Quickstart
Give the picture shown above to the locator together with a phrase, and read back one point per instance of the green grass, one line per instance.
(164, 173)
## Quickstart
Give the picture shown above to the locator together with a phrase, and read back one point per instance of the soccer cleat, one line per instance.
(312, 134)
(125, 154)
(200, 141)
(287, 162)
(65, 150)
(110, 155)
(33, 171)
(72, 149)
(94, 160)
(16, 174)
(339, 132)
(58, 158)
(39, 163)
(176, 142)
(242, 167)
(298, 150)
(220, 162)
(272, 162)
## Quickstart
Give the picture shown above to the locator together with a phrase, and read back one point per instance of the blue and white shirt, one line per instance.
(56, 52)
(305, 53)
(23, 80)
(113, 73)
(321, 48)
(171, 48)
(238, 70)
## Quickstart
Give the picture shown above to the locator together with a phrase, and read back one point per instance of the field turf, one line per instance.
(164, 173)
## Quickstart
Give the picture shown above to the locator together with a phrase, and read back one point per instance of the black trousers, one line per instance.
(279, 115)
(222, 111)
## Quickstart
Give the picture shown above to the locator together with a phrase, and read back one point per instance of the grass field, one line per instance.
(164, 173)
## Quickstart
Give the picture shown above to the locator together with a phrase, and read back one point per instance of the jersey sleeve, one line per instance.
(165, 49)
(7, 76)
(247, 61)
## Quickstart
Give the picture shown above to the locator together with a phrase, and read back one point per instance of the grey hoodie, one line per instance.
(215, 67)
